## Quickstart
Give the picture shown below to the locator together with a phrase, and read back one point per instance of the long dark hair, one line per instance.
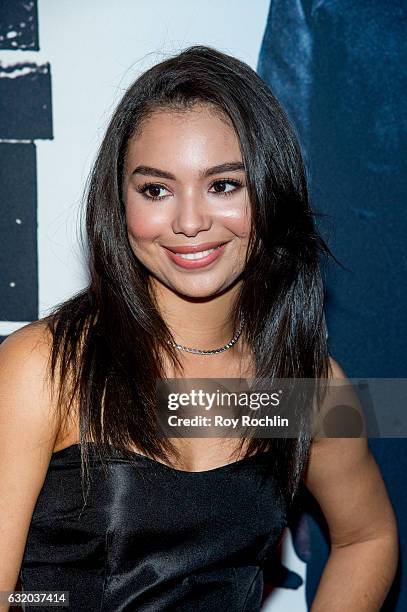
(109, 339)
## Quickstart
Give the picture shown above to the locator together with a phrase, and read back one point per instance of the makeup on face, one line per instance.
(187, 210)
(192, 258)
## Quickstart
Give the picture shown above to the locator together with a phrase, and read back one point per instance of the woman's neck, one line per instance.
(197, 323)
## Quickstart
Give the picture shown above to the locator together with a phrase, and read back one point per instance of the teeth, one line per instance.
(199, 255)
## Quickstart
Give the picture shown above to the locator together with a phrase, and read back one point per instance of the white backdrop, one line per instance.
(96, 49)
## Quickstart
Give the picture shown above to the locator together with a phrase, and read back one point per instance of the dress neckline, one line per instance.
(233, 464)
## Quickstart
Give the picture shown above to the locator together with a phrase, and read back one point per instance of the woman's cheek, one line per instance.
(144, 225)
(237, 220)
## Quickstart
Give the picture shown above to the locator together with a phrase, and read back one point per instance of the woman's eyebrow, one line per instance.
(236, 166)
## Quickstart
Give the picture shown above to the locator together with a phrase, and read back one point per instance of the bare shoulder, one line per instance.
(25, 349)
(343, 476)
(336, 369)
(334, 456)
(25, 391)
(28, 428)
(339, 414)
(35, 334)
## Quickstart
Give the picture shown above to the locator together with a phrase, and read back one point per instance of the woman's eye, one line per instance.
(226, 187)
(152, 191)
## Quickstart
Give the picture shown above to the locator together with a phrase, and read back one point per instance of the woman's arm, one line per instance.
(345, 480)
(27, 436)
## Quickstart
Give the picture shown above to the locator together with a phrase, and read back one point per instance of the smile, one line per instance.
(198, 255)
(200, 259)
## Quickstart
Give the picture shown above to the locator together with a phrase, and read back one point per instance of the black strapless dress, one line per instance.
(155, 538)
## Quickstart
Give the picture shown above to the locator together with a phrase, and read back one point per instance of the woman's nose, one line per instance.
(191, 215)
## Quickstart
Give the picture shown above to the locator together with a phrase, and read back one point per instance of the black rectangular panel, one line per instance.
(18, 233)
(19, 25)
(25, 102)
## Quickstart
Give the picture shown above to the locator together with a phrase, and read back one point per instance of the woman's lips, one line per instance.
(192, 264)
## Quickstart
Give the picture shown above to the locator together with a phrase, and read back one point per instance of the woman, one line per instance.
(198, 158)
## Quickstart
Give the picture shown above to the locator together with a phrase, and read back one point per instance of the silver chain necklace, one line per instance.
(212, 351)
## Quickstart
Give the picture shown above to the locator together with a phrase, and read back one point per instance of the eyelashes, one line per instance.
(143, 189)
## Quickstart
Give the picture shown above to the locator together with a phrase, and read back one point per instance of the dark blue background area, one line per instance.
(25, 115)
(25, 89)
(18, 256)
(19, 25)
(338, 68)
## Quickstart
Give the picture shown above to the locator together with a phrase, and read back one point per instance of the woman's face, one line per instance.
(185, 186)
